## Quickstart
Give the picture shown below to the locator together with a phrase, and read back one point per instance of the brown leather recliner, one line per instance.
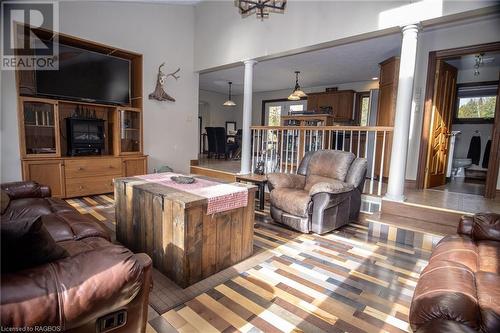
(459, 291)
(324, 194)
(98, 284)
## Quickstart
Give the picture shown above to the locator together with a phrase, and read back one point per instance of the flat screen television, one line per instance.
(88, 76)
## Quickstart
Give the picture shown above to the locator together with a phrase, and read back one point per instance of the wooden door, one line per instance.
(443, 107)
(494, 162)
(47, 172)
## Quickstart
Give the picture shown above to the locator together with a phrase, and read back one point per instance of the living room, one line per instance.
(113, 228)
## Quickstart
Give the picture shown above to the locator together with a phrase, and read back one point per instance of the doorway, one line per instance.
(461, 130)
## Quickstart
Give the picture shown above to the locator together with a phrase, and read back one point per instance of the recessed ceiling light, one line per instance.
(374, 78)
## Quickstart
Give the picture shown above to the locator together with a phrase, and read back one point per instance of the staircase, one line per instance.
(413, 224)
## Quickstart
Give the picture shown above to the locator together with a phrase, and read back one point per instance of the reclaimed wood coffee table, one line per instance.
(172, 226)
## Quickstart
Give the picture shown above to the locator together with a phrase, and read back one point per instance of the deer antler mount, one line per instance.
(159, 93)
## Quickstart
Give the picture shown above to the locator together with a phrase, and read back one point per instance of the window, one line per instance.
(365, 110)
(296, 108)
(362, 108)
(476, 103)
(274, 118)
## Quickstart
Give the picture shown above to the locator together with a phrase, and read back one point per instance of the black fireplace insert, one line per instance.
(85, 136)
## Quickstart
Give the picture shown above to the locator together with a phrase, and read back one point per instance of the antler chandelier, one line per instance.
(261, 7)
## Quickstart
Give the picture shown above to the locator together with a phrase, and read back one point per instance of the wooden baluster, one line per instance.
(281, 150)
(350, 142)
(379, 192)
(253, 150)
(359, 142)
(373, 163)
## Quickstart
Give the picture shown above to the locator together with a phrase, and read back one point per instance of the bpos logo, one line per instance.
(27, 41)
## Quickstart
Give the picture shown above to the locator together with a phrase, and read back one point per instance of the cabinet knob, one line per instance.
(80, 168)
(111, 167)
(81, 187)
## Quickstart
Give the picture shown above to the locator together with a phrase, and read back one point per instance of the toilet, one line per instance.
(456, 166)
(459, 166)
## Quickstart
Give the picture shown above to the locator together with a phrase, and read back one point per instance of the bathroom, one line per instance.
(472, 122)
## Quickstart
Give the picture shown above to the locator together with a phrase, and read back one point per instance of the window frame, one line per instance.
(457, 120)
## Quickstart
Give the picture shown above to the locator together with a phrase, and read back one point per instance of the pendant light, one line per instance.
(229, 101)
(297, 92)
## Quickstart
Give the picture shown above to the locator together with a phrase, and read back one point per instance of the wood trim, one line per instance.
(494, 161)
(434, 56)
(327, 128)
(426, 122)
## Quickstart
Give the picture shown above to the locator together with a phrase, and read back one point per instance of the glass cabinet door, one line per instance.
(40, 122)
(130, 131)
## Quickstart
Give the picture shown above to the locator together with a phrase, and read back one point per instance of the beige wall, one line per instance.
(162, 33)
(223, 37)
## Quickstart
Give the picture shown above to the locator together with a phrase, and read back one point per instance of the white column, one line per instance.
(246, 149)
(397, 172)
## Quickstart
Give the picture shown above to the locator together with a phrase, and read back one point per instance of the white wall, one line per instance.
(489, 73)
(223, 37)
(216, 114)
(474, 32)
(462, 141)
(162, 33)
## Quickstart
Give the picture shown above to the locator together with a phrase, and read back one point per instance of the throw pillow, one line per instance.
(27, 243)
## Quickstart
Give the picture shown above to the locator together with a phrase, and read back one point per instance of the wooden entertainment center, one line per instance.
(43, 140)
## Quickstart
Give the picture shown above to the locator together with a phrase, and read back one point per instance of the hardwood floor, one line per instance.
(355, 279)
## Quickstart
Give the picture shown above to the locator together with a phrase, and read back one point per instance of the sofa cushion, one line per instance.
(73, 226)
(292, 201)
(446, 290)
(59, 206)
(460, 249)
(4, 200)
(488, 292)
(330, 163)
(26, 243)
(75, 247)
(489, 256)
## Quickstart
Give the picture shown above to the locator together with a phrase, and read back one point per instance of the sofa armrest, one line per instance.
(465, 225)
(27, 189)
(482, 226)
(285, 180)
(486, 227)
(73, 291)
(445, 290)
(336, 187)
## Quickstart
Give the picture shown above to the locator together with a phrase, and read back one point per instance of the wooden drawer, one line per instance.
(76, 187)
(93, 167)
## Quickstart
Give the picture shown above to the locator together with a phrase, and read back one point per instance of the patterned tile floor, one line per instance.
(348, 280)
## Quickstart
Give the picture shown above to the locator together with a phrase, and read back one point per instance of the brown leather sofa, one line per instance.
(97, 285)
(324, 194)
(459, 291)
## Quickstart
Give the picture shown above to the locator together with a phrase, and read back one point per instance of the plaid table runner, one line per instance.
(221, 197)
